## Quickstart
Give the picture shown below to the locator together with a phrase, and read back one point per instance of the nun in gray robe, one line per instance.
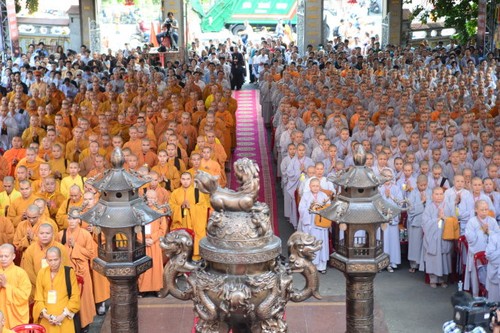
(493, 268)
(436, 251)
(418, 200)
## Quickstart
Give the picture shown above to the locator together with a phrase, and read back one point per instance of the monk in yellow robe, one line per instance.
(58, 163)
(15, 289)
(53, 198)
(54, 308)
(190, 209)
(27, 230)
(74, 178)
(75, 200)
(152, 279)
(34, 133)
(169, 174)
(35, 256)
(4, 328)
(17, 209)
(79, 244)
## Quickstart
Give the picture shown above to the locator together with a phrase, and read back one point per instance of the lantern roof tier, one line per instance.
(360, 210)
(115, 215)
(115, 179)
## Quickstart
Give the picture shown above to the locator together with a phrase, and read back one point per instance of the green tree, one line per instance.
(458, 14)
(31, 5)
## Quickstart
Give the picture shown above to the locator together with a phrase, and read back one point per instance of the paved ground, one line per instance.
(403, 303)
(407, 303)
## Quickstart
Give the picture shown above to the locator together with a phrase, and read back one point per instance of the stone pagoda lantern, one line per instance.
(118, 218)
(244, 283)
(360, 215)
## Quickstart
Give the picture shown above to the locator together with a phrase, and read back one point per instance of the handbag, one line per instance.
(320, 221)
(76, 318)
(451, 228)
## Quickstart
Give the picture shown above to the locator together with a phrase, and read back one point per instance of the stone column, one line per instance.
(395, 10)
(176, 7)
(124, 305)
(87, 11)
(359, 303)
(312, 24)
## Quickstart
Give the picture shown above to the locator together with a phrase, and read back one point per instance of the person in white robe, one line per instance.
(477, 233)
(436, 251)
(296, 173)
(390, 192)
(307, 225)
(283, 166)
(418, 199)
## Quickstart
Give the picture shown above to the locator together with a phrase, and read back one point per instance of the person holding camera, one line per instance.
(170, 30)
(437, 251)
(166, 32)
(477, 232)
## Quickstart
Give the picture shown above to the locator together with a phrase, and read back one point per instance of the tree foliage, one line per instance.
(30, 5)
(458, 14)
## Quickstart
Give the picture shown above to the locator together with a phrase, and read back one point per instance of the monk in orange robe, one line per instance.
(79, 244)
(32, 163)
(15, 154)
(6, 230)
(187, 131)
(100, 284)
(211, 166)
(152, 279)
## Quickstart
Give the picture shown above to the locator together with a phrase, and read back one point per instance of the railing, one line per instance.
(432, 32)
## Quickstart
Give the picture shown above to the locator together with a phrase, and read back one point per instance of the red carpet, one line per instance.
(251, 142)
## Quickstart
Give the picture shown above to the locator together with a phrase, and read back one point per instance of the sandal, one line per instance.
(390, 269)
(444, 285)
(411, 270)
(433, 285)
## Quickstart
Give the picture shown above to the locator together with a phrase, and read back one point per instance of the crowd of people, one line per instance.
(426, 117)
(61, 116)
